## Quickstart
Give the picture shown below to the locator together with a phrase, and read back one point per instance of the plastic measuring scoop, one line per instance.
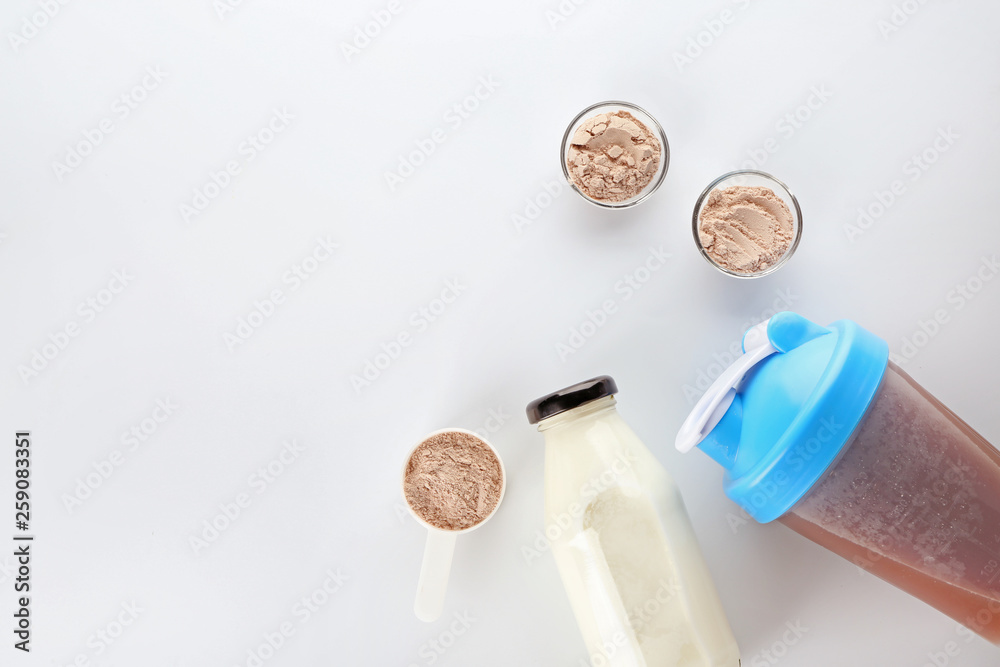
(440, 545)
(714, 403)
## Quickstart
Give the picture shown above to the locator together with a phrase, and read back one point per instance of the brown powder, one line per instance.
(612, 157)
(745, 229)
(453, 480)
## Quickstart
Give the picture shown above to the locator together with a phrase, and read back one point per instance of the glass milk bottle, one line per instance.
(625, 549)
(817, 429)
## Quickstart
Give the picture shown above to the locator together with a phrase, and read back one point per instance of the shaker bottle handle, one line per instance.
(434, 570)
(717, 399)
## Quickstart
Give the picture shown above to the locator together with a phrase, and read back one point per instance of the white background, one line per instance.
(337, 507)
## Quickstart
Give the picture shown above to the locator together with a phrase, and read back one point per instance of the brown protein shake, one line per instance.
(915, 501)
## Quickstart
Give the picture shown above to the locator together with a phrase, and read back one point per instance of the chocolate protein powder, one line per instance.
(612, 157)
(453, 480)
(745, 229)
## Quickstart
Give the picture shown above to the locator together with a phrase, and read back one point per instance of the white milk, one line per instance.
(626, 551)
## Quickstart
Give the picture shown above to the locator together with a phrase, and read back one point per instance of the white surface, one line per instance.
(337, 505)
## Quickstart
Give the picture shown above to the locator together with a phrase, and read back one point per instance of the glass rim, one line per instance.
(797, 227)
(651, 187)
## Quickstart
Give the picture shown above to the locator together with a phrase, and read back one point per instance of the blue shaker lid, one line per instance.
(782, 413)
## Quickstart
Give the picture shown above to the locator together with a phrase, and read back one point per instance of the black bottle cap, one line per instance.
(571, 397)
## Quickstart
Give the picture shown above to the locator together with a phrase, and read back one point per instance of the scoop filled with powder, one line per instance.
(746, 229)
(453, 480)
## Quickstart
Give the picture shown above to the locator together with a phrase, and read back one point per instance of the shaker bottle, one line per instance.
(622, 540)
(816, 428)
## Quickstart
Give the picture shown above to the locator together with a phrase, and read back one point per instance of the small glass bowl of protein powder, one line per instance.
(614, 154)
(747, 224)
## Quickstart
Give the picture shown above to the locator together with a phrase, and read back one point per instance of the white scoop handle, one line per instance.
(434, 571)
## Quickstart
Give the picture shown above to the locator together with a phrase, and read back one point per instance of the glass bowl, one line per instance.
(751, 178)
(643, 117)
